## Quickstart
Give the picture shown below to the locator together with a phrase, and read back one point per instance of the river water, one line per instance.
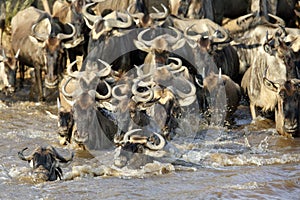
(249, 161)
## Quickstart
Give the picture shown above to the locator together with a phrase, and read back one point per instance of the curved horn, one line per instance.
(140, 83)
(119, 97)
(92, 18)
(173, 66)
(160, 15)
(142, 99)
(159, 146)
(63, 36)
(140, 37)
(63, 162)
(241, 21)
(192, 37)
(88, 24)
(139, 15)
(39, 36)
(59, 157)
(75, 74)
(185, 95)
(277, 19)
(106, 71)
(21, 155)
(173, 40)
(128, 133)
(108, 95)
(119, 24)
(224, 35)
(142, 96)
(63, 89)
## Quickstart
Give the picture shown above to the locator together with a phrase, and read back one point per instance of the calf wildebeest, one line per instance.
(8, 69)
(46, 163)
(271, 84)
(40, 40)
(65, 119)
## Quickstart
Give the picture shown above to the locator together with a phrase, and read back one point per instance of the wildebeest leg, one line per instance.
(38, 79)
(1, 34)
(253, 111)
(22, 74)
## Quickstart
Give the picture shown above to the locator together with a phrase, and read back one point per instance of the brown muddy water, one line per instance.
(250, 161)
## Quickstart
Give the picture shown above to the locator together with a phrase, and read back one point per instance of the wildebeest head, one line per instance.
(70, 12)
(101, 26)
(90, 123)
(143, 18)
(159, 47)
(134, 148)
(46, 163)
(8, 69)
(287, 110)
(53, 46)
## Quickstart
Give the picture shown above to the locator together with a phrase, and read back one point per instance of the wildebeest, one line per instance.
(93, 126)
(46, 163)
(134, 148)
(216, 10)
(220, 84)
(40, 40)
(271, 84)
(215, 40)
(281, 8)
(71, 12)
(8, 69)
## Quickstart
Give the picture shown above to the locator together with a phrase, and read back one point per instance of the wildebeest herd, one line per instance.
(147, 65)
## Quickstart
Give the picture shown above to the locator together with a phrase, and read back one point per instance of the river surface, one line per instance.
(249, 161)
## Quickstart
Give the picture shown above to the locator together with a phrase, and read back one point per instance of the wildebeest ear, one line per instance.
(270, 85)
(36, 42)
